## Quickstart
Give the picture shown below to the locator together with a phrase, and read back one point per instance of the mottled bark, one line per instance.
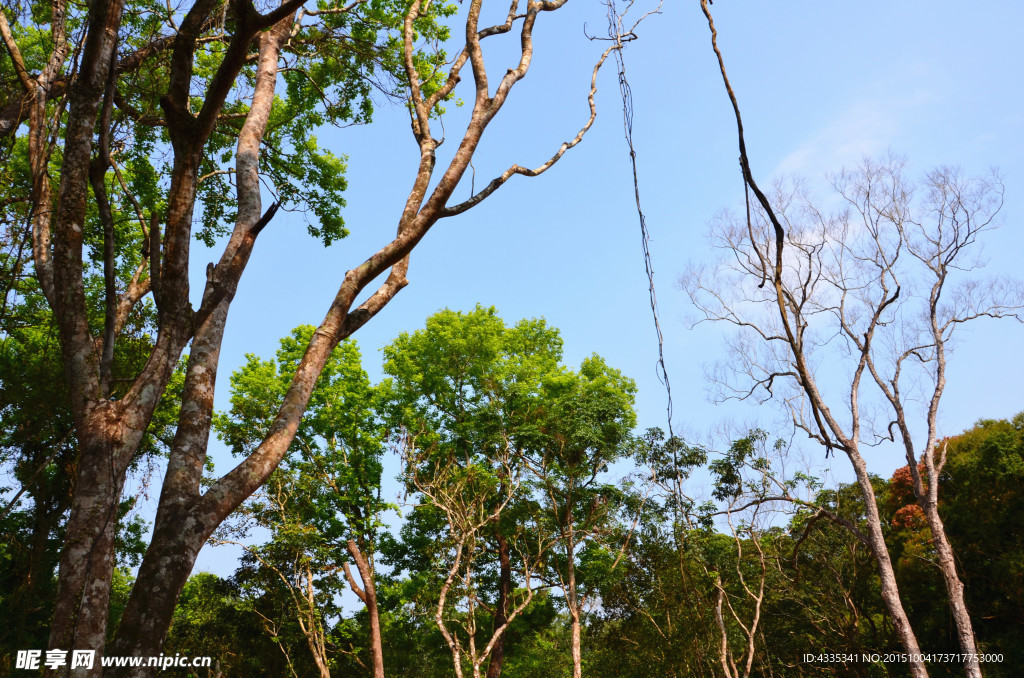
(887, 576)
(110, 432)
(87, 560)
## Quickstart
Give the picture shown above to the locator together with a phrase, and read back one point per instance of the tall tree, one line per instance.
(106, 85)
(853, 277)
(512, 449)
(38, 451)
(464, 399)
(586, 427)
(801, 285)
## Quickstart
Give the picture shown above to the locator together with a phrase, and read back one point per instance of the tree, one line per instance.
(510, 450)
(104, 87)
(472, 496)
(325, 498)
(865, 270)
(873, 288)
(587, 426)
(464, 397)
(38, 454)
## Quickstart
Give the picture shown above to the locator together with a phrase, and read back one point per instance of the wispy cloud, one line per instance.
(867, 127)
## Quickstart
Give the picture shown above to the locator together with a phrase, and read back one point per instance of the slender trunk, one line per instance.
(573, 603)
(501, 611)
(577, 654)
(315, 631)
(320, 666)
(928, 499)
(954, 589)
(890, 591)
(376, 642)
(369, 597)
(724, 656)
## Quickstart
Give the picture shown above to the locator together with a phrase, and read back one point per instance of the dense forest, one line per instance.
(529, 507)
(483, 508)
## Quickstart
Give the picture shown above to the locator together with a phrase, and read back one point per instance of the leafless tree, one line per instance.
(836, 282)
(69, 104)
(846, 321)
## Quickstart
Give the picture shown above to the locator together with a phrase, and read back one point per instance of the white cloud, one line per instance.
(867, 127)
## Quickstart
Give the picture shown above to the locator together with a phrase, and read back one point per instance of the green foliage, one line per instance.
(468, 389)
(326, 492)
(214, 619)
(465, 400)
(333, 467)
(334, 64)
(980, 501)
(493, 424)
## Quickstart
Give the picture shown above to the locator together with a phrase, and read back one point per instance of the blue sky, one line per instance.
(820, 84)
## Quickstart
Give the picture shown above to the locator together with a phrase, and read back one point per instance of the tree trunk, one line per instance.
(184, 522)
(928, 499)
(369, 597)
(87, 560)
(573, 603)
(954, 588)
(164, 571)
(577, 654)
(890, 591)
(501, 611)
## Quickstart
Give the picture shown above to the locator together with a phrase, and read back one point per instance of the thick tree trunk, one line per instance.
(890, 591)
(501, 610)
(164, 571)
(182, 526)
(87, 561)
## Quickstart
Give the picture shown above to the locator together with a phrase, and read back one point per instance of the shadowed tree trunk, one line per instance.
(501, 610)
